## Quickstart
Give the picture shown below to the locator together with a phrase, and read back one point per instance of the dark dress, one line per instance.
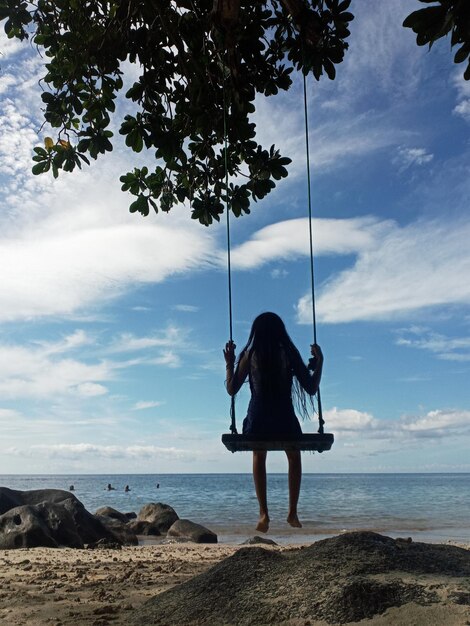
(272, 415)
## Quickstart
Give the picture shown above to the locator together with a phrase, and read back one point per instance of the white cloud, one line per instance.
(186, 308)
(141, 406)
(350, 420)
(406, 157)
(45, 369)
(168, 358)
(6, 81)
(34, 372)
(71, 244)
(90, 450)
(172, 337)
(435, 424)
(424, 264)
(463, 95)
(290, 239)
(462, 85)
(438, 423)
(71, 259)
(463, 109)
(8, 47)
(334, 144)
(77, 339)
(90, 390)
(17, 138)
(446, 348)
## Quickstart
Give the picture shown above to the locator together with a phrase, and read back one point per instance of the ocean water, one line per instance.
(426, 507)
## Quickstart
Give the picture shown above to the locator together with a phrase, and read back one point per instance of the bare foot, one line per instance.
(293, 520)
(263, 524)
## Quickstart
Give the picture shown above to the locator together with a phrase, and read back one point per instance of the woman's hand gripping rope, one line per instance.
(229, 353)
(317, 357)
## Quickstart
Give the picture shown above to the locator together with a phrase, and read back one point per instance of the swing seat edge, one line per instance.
(316, 442)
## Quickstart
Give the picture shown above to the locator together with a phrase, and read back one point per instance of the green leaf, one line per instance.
(39, 168)
(329, 68)
(462, 53)
(140, 205)
(40, 152)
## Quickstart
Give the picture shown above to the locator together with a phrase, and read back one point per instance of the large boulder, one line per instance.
(185, 530)
(122, 531)
(24, 527)
(46, 517)
(108, 511)
(10, 498)
(159, 516)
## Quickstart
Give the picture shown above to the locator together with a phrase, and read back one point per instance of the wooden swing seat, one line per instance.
(317, 442)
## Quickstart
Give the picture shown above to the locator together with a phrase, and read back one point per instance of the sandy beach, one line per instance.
(112, 586)
(68, 586)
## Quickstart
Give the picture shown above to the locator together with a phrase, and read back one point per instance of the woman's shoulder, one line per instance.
(245, 360)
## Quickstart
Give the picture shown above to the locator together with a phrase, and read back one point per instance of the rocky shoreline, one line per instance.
(56, 518)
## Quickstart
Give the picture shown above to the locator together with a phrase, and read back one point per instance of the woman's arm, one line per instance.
(309, 377)
(235, 377)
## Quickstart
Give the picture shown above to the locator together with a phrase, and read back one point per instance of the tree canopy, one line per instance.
(201, 64)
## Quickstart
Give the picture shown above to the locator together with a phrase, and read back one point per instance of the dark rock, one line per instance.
(11, 498)
(257, 539)
(190, 531)
(108, 511)
(122, 531)
(117, 523)
(144, 528)
(131, 515)
(161, 516)
(46, 517)
(24, 527)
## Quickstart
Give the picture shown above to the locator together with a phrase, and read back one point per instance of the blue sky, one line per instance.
(112, 325)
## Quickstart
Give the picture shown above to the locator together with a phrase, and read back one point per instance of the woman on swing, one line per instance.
(277, 375)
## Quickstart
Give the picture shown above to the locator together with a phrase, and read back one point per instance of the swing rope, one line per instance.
(233, 425)
(321, 421)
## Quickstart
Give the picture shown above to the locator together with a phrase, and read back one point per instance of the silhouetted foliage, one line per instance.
(195, 59)
(436, 21)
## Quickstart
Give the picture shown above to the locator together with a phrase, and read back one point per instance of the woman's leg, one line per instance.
(295, 477)
(259, 477)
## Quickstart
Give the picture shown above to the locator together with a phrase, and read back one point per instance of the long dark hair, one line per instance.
(270, 342)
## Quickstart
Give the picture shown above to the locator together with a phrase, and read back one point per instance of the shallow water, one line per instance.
(427, 507)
